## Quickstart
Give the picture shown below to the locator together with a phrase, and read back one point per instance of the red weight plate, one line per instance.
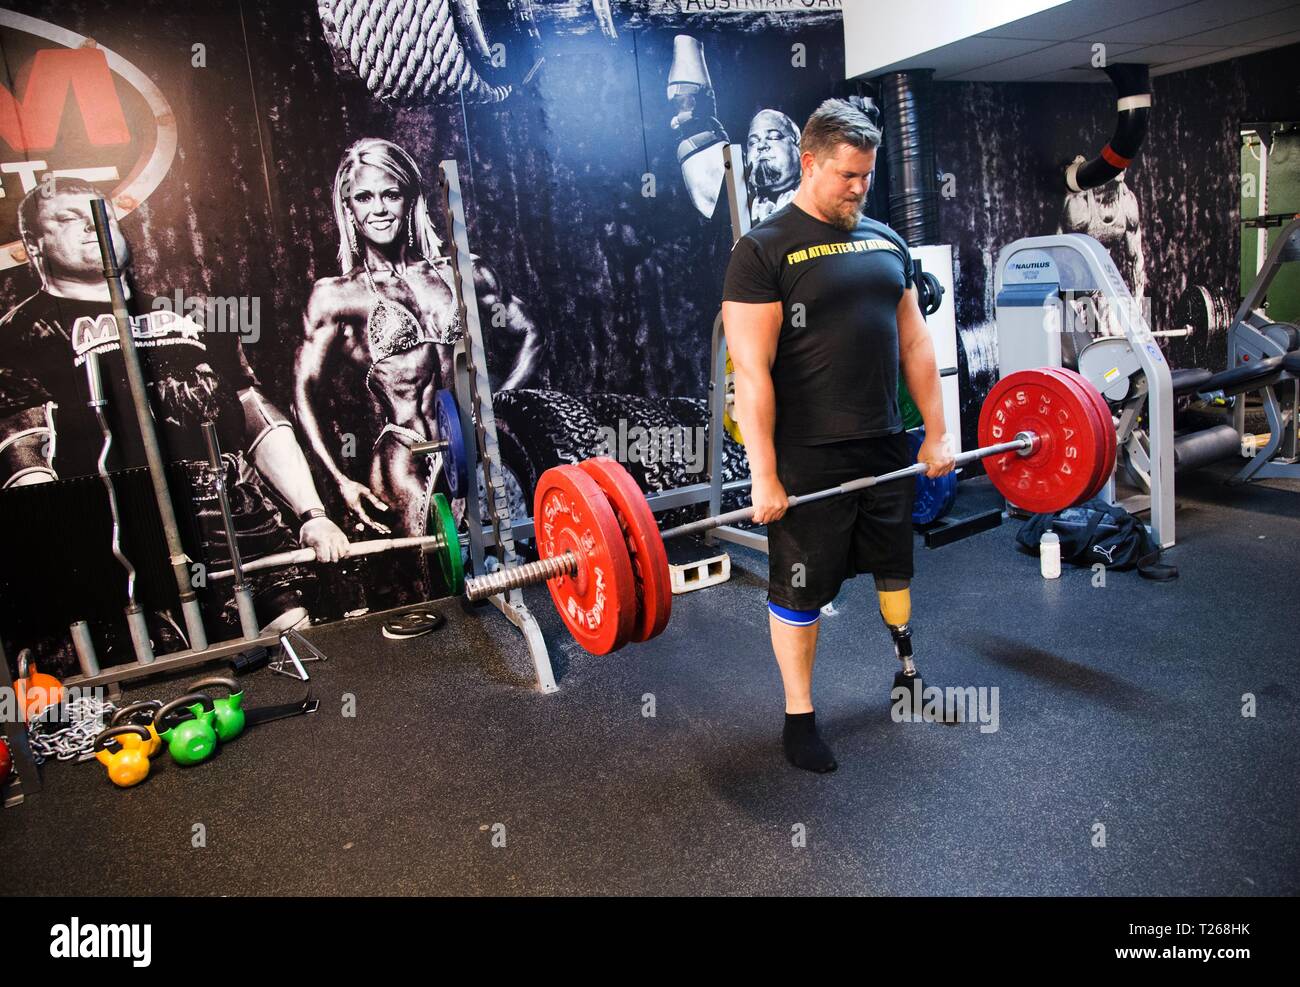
(1108, 424)
(1070, 381)
(654, 586)
(1060, 471)
(598, 602)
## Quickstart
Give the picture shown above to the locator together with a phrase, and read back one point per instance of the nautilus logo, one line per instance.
(79, 110)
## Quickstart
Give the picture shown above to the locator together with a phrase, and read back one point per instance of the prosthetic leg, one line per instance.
(896, 611)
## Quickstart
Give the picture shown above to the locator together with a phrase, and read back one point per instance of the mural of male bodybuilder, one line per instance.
(391, 317)
(1110, 214)
(771, 147)
(195, 373)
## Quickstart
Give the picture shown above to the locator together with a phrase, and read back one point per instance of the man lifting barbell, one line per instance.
(819, 311)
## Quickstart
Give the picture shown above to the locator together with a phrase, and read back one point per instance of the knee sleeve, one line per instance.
(795, 618)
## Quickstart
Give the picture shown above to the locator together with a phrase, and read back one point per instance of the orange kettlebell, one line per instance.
(35, 690)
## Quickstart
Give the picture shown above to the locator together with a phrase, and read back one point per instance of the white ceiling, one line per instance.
(1056, 45)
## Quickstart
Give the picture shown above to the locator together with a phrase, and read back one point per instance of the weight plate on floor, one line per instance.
(414, 623)
(1059, 472)
(455, 464)
(451, 562)
(934, 495)
(654, 586)
(597, 602)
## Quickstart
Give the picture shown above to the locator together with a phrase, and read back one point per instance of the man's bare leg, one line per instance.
(795, 647)
(796, 651)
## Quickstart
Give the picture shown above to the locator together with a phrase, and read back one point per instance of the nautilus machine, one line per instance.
(1060, 301)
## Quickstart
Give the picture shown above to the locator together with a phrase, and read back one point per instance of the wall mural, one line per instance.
(272, 167)
(272, 170)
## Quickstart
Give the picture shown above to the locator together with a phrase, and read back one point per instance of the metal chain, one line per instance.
(89, 717)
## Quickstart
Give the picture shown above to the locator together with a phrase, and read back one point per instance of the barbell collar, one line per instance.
(517, 577)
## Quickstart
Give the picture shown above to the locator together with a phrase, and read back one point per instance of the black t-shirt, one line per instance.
(194, 375)
(836, 368)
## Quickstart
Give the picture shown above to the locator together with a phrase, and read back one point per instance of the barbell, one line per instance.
(1046, 435)
(1047, 439)
(443, 544)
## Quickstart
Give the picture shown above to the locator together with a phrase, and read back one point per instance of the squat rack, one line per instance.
(492, 540)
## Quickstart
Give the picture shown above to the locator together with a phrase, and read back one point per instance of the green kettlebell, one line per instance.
(192, 740)
(229, 711)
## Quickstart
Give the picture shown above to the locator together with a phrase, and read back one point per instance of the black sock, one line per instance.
(803, 747)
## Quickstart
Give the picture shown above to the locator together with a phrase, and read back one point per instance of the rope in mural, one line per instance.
(404, 49)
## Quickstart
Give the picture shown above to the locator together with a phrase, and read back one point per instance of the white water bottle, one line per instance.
(1049, 555)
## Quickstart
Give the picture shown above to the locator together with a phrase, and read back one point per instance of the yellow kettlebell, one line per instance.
(141, 715)
(129, 764)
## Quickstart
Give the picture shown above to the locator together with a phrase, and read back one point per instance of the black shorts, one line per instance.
(817, 546)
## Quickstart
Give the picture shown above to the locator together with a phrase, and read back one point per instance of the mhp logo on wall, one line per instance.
(70, 107)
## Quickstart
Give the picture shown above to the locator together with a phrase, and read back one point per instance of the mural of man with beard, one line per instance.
(771, 163)
(391, 315)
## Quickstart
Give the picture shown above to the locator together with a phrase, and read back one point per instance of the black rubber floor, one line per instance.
(1119, 707)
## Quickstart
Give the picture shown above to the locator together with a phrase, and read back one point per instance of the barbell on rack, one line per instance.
(1046, 435)
(443, 544)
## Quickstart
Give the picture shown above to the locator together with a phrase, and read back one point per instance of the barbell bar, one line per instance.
(301, 556)
(535, 573)
(1047, 440)
(443, 544)
(1023, 444)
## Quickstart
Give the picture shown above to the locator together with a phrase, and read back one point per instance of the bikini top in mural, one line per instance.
(392, 329)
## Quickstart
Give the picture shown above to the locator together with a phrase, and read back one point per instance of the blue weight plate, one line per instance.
(454, 461)
(934, 496)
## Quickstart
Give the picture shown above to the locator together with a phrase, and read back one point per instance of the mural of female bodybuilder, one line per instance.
(392, 315)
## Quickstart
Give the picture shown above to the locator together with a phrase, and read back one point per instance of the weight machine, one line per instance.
(1042, 284)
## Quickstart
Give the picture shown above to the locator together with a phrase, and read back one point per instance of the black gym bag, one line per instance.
(1093, 532)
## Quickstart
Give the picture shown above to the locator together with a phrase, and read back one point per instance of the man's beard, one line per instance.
(847, 216)
(767, 175)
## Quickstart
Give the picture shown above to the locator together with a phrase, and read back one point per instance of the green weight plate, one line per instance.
(907, 407)
(449, 556)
